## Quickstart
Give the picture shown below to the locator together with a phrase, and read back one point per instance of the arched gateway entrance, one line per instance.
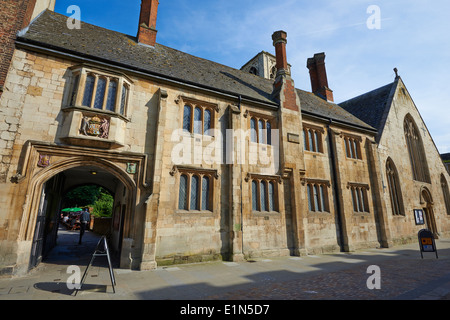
(62, 171)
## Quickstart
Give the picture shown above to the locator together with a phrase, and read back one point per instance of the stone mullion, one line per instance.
(105, 95)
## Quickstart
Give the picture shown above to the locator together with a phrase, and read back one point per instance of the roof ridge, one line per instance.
(369, 92)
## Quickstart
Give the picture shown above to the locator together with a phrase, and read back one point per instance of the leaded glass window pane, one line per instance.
(354, 198)
(262, 187)
(88, 90)
(311, 143)
(205, 193)
(182, 201)
(207, 122)
(100, 93)
(260, 131)
(111, 100)
(123, 99)
(269, 133)
(198, 120)
(254, 195)
(187, 118)
(195, 196)
(316, 198)
(76, 82)
(305, 140)
(253, 130)
(322, 198)
(316, 138)
(271, 196)
(310, 205)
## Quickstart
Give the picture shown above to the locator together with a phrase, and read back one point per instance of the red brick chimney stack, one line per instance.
(279, 41)
(147, 22)
(318, 74)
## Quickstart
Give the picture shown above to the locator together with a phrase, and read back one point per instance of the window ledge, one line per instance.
(265, 213)
(195, 213)
(97, 111)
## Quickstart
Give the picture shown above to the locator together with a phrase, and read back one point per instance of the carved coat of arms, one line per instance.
(95, 127)
(44, 161)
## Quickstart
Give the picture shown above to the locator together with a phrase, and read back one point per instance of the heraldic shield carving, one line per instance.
(95, 127)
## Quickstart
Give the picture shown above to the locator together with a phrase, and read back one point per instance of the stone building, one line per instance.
(205, 161)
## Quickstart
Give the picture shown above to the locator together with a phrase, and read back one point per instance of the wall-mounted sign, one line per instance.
(419, 217)
(426, 242)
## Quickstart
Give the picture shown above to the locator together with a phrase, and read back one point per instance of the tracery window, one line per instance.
(416, 151)
(99, 90)
(446, 194)
(395, 193)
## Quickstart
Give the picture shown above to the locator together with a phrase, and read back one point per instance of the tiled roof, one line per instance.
(312, 104)
(372, 107)
(50, 30)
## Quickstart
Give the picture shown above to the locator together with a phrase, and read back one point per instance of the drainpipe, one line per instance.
(335, 185)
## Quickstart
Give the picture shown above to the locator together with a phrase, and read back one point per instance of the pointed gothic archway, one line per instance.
(47, 186)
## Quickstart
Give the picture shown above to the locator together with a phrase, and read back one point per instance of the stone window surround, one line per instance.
(199, 172)
(266, 179)
(352, 146)
(314, 132)
(78, 88)
(193, 103)
(325, 184)
(360, 197)
(251, 115)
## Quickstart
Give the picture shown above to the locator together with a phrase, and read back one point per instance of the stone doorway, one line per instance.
(427, 203)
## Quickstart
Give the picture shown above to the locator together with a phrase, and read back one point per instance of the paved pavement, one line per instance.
(404, 275)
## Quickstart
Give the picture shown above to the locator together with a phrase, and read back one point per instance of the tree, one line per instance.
(104, 205)
(82, 196)
(91, 196)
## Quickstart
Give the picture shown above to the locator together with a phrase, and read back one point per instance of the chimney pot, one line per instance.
(318, 74)
(279, 41)
(147, 22)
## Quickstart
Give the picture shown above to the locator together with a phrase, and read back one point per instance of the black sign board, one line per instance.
(426, 242)
(419, 217)
(100, 251)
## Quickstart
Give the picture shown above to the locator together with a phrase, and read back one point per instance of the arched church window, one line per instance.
(416, 151)
(446, 194)
(394, 188)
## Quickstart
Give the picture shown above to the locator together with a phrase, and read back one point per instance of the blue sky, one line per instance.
(413, 37)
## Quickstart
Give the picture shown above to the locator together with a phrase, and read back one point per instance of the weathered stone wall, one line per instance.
(393, 144)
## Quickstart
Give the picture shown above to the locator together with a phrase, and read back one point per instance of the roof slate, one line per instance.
(372, 106)
(50, 30)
